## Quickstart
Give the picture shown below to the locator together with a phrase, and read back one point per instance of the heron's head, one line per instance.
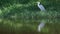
(38, 2)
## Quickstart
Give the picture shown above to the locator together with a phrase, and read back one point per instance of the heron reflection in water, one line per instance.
(42, 24)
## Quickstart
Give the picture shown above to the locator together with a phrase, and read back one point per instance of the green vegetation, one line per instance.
(23, 16)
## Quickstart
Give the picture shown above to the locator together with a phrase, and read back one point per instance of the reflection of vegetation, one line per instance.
(17, 16)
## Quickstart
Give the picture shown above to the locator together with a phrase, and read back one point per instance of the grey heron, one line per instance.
(40, 6)
(42, 24)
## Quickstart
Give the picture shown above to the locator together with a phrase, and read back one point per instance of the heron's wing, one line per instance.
(41, 7)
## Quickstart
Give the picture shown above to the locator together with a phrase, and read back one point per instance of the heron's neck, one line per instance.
(38, 4)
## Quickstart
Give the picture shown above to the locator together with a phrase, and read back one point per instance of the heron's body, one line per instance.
(41, 7)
